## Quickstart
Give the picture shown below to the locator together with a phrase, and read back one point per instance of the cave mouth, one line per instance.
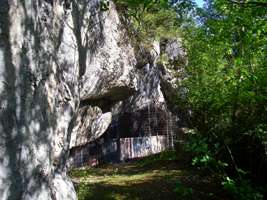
(132, 135)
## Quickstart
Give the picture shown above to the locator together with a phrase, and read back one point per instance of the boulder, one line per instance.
(89, 125)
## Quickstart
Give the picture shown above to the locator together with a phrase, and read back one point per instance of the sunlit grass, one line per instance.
(155, 177)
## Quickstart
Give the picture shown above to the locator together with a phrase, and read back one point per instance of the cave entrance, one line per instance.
(131, 135)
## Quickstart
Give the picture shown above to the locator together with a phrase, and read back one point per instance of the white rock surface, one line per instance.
(38, 97)
(100, 125)
(108, 75)
(89, 125)
(110, 64)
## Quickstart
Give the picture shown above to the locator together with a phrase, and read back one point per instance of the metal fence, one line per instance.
(133, 135)
(115, 151)
(138, 147)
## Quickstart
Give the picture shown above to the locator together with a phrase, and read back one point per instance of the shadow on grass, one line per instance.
(153, 189)
(148, 189)
(137, 166)
(157, 184)
(153, 177)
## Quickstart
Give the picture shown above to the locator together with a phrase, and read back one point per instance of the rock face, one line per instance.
(63, 69)
(108, 70)
(38, 97)
(126, 125)
(89, 120)
(62, 66)
(173, 69)
(147, 113)
(108, 75)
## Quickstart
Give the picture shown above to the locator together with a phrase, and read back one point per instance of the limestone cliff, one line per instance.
(63, 69)
(57, 60)
(108, 76)
(38, 97)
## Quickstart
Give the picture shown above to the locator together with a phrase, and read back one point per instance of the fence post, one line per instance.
(118, 140)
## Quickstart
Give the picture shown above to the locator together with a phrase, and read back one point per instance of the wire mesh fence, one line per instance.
(134, 134)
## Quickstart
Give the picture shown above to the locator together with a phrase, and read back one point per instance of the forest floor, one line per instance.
(146, 179)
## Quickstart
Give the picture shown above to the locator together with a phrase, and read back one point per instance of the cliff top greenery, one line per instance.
(150, 20)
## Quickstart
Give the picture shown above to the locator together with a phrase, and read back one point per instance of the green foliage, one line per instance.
(226, 86)
(104, 5)
(168, 155)
(159, 25)
(182, 191)
(205, 158)
(80, 172)
(149, 20)
(260, 131)
(227, 65)
(242, 190)
(204, 154)
(83, 191)
(163, 156)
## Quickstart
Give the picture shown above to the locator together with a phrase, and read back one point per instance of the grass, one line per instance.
(157, 177)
